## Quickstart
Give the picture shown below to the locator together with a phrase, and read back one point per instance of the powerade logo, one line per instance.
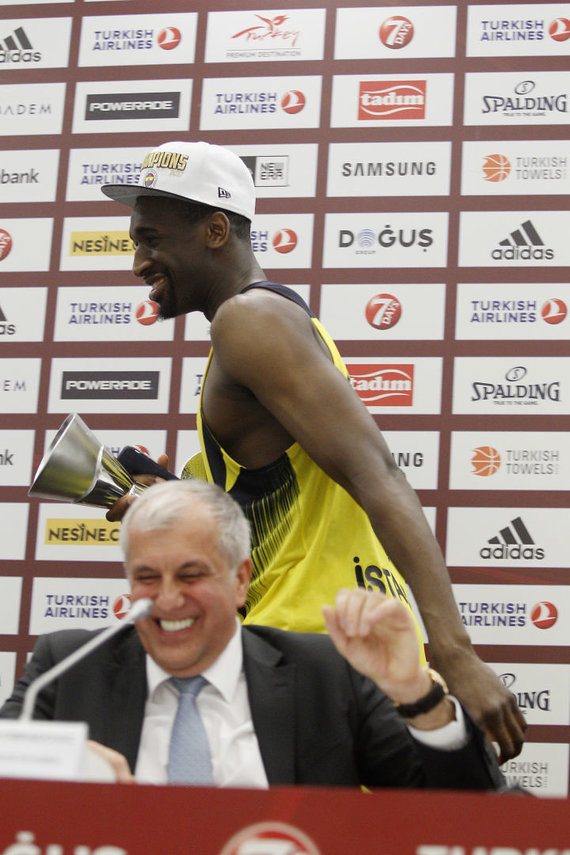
(130, 105)
(110, 385)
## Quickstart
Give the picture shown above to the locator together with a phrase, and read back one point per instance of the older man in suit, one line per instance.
(276, 707)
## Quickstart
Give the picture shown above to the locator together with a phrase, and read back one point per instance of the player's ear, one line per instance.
(218, 229)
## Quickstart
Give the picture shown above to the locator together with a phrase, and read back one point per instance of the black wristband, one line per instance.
(436, 694)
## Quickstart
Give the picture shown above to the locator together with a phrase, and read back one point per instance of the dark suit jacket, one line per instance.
(317, 720)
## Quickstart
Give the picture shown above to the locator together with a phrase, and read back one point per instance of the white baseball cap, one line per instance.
(198, 171)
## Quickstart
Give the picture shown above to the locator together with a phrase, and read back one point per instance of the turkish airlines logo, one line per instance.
(270, 838)
(293, 101)
(284, 241)
(486, 461)
(147, 313)
(121, 606)
(559, 30)
(544, 615)
(496, 167)
(554, 311)
(5, 244)
(383, 386)
(383, 311)
(392, 99)
(169, 38)
(396, 32)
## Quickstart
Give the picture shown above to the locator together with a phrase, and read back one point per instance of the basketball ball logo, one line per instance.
(496, 167)
(485, 461)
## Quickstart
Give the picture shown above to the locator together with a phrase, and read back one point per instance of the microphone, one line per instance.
(136, 462)
(140, 609)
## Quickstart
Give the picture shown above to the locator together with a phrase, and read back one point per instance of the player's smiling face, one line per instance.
(195, 593)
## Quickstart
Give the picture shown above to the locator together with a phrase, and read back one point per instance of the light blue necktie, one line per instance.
(189, 753)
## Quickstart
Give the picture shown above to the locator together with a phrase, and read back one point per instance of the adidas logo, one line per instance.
(18, 48)
(5, 327)
(524, 243)
(513, 542)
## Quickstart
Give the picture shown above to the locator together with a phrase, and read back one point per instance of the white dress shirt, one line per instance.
(224, 707)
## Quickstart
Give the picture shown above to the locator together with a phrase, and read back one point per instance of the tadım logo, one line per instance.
(383, 311)
(396, 32)
(169, 38)
(554, 311)
(147, 312)
(485, 461)
(284, 241)
(544, 614)
(559, 30)
(496, 167)
(98, 243)
(5, 243)
(293, 102)
(524, 243)
(513, 542)
(383, 385)
(387, 99)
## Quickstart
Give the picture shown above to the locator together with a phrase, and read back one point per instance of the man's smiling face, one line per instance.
(195, 592)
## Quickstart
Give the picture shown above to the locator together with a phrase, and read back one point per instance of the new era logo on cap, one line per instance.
(198, 172)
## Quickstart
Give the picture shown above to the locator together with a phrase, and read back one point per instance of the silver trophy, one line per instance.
(78, 468)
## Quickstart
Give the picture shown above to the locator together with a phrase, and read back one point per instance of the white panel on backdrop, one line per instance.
(106, 385)
(13, 530)
(265, 36)
(281, 171)
(19, 385)
(193, 369)
(542, 691)
(389, 169)
(69, 532)
(541, 768)
(508, 537)
(131, 106)
(16, 239)
(197, 326)
(391, 100)
(535, 615)
(416, 453)
(38, 43)
(514, 311)
(260, 103)
(7, 675)
(29, 176)
(515, 167)
(383, 312)
(514, 239)
(22, 314)
(282, 240)
(511, 386)
(505, 460)
(397, 384)
(187, 445)
(167, 38)
(31, 108)
(109, 313)
(77, 603)
(510, 98)
(391, 239)
(96, 243)
(389, 32)
(16, 457)
(521, 29)
(10, 598)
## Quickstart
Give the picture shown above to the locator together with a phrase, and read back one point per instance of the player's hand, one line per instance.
(487, 700)
(117, 511)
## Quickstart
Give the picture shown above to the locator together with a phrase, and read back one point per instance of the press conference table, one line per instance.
(45, 818)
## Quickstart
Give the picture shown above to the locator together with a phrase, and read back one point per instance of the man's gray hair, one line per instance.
(164, 505)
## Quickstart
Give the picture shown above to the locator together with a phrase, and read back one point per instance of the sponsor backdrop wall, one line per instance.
(412, 168)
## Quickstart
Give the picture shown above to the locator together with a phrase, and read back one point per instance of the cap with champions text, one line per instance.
(198, 171)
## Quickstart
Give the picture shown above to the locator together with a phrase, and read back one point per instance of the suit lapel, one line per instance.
(270, 686)
(127, 696)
